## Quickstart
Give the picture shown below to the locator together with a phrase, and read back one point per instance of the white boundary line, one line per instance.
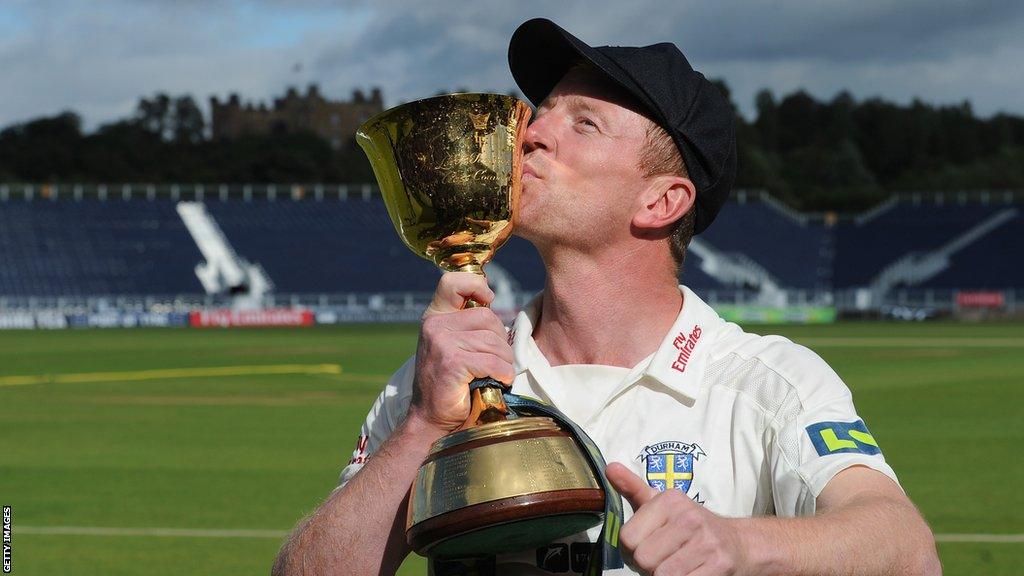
(277, 534)
(158, 532)
(986, 538)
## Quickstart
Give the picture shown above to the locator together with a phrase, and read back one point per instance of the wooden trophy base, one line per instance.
(509, 524)
(502, 486)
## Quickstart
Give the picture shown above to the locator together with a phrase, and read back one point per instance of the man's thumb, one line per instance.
(631, 486)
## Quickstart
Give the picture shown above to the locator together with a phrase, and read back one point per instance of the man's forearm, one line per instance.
(359, 529)
(868, 535)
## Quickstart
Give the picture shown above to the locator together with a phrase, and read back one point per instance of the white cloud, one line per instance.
(98, 57)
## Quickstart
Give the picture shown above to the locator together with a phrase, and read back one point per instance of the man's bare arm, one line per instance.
(360, 528)
(865, 526)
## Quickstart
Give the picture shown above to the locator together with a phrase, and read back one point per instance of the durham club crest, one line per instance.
(670, 464)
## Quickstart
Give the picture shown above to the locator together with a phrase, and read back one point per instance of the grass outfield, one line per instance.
(132, 429)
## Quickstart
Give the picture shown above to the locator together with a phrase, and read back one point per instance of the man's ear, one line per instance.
(664, 201)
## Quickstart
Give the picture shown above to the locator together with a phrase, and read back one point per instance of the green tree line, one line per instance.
(840, 154)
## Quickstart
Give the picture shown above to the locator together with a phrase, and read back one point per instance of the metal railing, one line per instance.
(187, 191)
(333, 191)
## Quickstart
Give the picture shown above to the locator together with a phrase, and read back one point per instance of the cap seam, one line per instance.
(693, 101)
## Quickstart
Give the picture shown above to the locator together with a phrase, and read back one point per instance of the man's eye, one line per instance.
(586, 122)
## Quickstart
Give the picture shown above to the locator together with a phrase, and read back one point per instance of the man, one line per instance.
(738, 454)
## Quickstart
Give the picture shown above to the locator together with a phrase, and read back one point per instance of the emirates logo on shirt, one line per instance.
(685, 343)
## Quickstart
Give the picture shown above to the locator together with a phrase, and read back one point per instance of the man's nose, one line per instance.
(538, 135)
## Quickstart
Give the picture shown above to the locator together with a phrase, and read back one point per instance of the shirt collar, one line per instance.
(679, 363)
(683, 356)
(521, 334)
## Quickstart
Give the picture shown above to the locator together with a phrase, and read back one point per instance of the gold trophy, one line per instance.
(450, 170)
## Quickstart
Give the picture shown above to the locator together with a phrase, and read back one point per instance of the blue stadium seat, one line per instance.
(988, 262)
(862, 251)
(92, 247)
(793, 253)
(327, 246)
(141, 247)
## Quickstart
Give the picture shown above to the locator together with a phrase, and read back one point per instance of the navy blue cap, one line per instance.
(693, 111)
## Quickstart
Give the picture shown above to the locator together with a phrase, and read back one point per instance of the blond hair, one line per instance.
(660, 156)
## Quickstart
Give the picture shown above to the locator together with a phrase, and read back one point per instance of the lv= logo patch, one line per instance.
(842, 438)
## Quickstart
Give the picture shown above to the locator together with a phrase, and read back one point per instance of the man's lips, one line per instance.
(528, 171)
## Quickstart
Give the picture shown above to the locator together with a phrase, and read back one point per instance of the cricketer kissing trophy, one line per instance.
(449, 170)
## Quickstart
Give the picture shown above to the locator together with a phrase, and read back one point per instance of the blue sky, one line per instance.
(97, 57)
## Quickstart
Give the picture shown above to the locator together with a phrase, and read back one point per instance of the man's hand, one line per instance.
(457, 345)
(669, 534)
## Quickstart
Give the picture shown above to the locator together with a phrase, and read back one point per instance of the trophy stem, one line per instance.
(473, 267)
(486, 403)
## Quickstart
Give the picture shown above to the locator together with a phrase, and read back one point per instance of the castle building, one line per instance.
(334, 121)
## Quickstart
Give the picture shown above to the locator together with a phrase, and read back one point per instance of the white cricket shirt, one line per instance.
(746, 425)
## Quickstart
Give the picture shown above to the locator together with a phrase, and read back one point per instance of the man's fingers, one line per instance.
(488, 365)
(631, 486)
(487, 341)
(657, 546)
(455, 288)
(443, 327)
(478, 319)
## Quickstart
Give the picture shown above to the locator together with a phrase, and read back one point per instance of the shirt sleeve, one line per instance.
(387, 411)
(815, 436)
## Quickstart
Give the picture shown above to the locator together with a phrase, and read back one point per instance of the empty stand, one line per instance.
(988, 262)
(93, 247)
(795, 255)
(327, 246)
(863, 251)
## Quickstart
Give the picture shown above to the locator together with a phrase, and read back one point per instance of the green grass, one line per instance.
(945, 401)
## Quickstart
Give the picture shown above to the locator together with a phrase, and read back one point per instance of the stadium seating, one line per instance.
(92, 247)
(862, 251)
(987, 263)
(794, 254)
(328, 246)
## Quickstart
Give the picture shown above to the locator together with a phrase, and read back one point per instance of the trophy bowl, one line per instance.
(450, 170)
